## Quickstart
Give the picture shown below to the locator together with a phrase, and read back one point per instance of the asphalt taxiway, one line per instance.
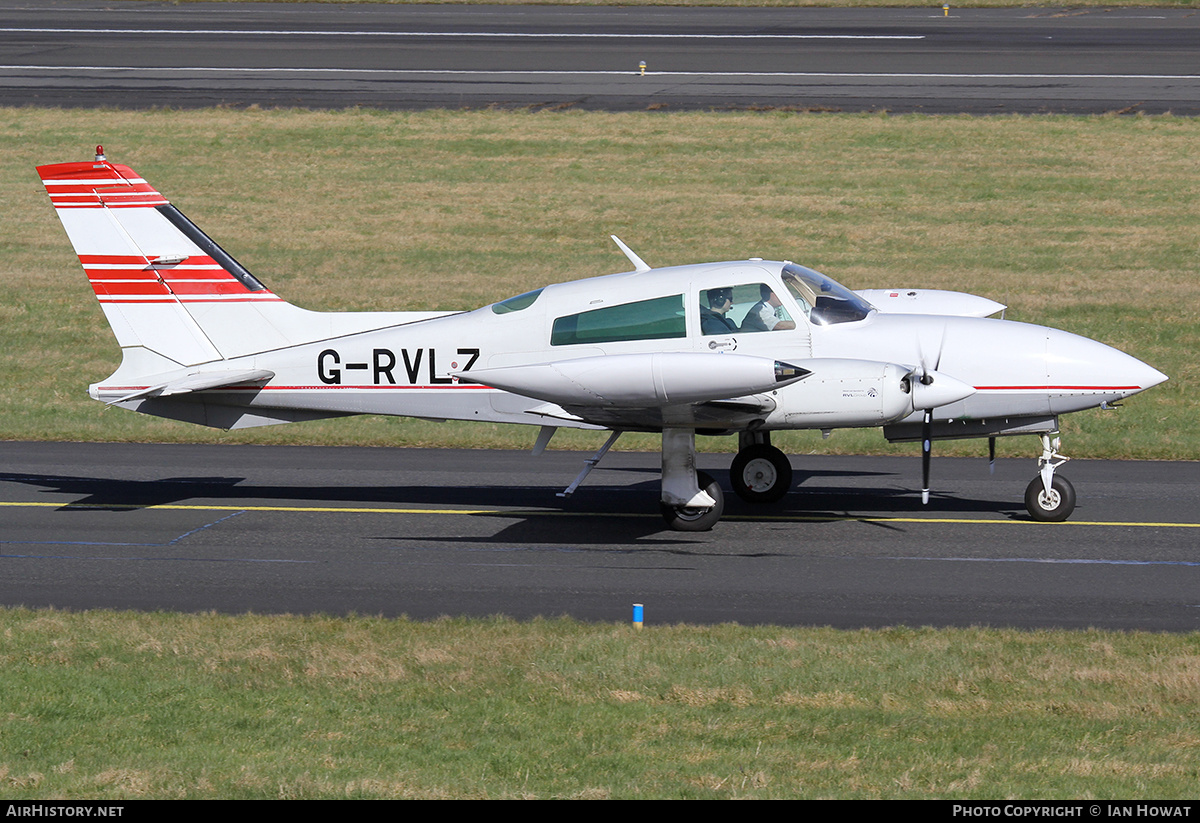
(425, 533)
(141, 54)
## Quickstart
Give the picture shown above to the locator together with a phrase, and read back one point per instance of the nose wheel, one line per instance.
(760, 473)
(1051, 506)
(1050, 498)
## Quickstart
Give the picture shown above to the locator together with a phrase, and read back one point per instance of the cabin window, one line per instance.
(521, 301)
(658, 319)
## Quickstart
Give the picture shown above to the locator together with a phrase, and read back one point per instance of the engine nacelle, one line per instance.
(847, 393)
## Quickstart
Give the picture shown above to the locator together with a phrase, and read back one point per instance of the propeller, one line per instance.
(926, 454)
(927, 378)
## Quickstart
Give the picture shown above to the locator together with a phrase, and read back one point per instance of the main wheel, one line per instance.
(1053, 507)
(760, 474)
(685, 519)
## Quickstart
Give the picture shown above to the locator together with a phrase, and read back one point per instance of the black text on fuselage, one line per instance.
(385, 368)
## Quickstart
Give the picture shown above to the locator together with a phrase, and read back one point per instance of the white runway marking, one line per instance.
(614, 73)
(484, 34)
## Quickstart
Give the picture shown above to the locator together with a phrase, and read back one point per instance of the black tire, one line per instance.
(760, 474)
(1053, 508)
(684, 519)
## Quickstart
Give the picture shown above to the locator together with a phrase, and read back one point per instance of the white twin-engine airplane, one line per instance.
(745, 347)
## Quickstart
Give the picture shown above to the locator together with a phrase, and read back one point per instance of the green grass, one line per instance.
(117, 705)
(1083, 223)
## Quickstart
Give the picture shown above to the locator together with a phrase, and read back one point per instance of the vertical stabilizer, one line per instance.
(164, 285)
(173, 297)
(146, 262)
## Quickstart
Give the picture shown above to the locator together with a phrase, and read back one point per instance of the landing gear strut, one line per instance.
(760, 473)
(1049, 498)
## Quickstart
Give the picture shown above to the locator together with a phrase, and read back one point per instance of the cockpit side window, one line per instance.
(746, 307)
(658, 319)
(823, 299)
(521, 301)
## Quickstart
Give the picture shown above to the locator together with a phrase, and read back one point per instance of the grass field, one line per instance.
(116, 705)
(1086, 224)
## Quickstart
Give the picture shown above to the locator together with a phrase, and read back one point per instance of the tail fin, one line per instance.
(153, 271)
(173, 297)
(178, 304)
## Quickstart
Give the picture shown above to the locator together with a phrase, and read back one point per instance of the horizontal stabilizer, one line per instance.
(198, 381)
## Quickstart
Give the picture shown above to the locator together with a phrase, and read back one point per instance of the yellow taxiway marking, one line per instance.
(978, 521)
(230, 508)
(797, 518)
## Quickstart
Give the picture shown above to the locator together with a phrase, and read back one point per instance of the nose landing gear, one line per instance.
(1049, 498)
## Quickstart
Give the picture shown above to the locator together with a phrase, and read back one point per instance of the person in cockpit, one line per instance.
(712, 316)
(765, 316)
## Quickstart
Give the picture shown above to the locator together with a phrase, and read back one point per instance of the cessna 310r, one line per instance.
(745, 347)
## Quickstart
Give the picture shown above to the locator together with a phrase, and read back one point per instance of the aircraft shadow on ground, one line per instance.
(609, 512)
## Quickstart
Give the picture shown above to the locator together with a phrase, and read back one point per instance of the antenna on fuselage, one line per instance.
(639, 264)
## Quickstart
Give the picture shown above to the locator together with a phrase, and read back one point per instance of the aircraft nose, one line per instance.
(1145, 375)
(1079, 364)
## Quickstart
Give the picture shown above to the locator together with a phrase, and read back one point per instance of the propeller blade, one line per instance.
(946, 384)
(991, 455)
(926, 454)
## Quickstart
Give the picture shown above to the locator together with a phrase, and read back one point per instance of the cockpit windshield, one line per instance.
(822, 298)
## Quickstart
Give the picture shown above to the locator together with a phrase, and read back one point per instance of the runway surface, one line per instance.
(133, 55)
(433, 532)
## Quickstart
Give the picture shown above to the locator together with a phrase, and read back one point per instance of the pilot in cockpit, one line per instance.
(713, 318)
(765, 316)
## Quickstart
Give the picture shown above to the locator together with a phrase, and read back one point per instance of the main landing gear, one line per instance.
(1048, 498)
(760, 473)
(696, 518)
(691, 501)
